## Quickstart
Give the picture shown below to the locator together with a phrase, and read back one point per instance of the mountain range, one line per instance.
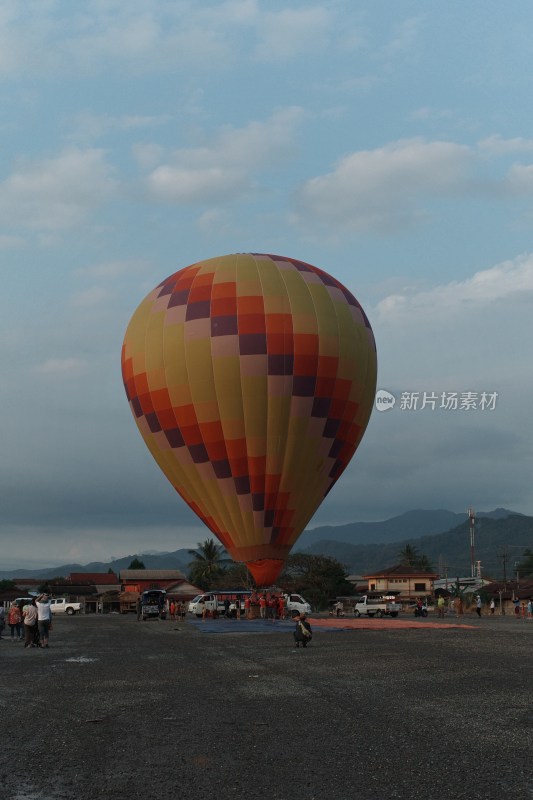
(412, 524)
(499, 542)
(501, 536)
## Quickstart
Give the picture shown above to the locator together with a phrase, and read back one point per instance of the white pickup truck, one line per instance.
(376, 607)
(59, 605)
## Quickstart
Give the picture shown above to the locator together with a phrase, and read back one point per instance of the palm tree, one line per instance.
(409, 556)
(209, 562)
(423, 563)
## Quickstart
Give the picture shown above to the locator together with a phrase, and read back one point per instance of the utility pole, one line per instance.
(443, 569)
(505, 556)
(472, 518)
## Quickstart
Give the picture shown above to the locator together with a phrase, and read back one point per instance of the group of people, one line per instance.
(29, 622)
(523, 609)
(176, 609)
(520, 608)
(271, 605)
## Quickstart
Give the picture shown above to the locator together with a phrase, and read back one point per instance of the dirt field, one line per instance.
(141, 711)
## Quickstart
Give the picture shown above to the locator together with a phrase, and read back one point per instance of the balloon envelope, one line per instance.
(251, 378)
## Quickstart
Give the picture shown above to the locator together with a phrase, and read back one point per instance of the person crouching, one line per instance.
(302, 632)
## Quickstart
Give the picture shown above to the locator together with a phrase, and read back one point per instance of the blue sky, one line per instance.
(389, 143)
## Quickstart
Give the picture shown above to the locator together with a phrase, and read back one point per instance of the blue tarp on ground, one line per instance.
(223, 625)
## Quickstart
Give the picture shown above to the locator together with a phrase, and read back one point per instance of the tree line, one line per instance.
(319, 578)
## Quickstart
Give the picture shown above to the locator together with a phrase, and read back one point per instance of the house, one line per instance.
(138, 580)
(96, 591)
(8, 595)
(28, 586)
(102, 581)
(406, 582)
(358, 582)
(106, 587)
(183, 590)
(504, 594)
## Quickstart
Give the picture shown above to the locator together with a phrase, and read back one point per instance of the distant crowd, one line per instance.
(29, 622)
(271, 605)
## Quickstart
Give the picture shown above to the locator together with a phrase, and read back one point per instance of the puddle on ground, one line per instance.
(80, 660)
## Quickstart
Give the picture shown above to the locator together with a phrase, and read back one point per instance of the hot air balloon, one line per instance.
(251, 378)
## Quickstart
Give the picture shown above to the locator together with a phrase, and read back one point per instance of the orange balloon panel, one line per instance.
(251, 378)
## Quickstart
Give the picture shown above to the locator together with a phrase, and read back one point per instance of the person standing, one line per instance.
(2, 620)
(248, 607)
(44, 618)
(492, 605)
(29, 613)
(263, 606)
(14, 619)
(440, 606)
(272, 606)
(478, 606)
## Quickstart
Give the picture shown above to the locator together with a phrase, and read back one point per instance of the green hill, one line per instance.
(495, 540)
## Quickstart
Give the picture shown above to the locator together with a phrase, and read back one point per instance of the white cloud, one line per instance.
(145, 35)
(148, 155)
(88, 126)
(382, 188)
(427, 113)
(110, 270)
(181, 185)
(403, 40)
(497, 145)
(224, 168)
(56, 193)
(75, 542)
(520, 179)
(60, 366)
(506, 280)
(150, 36)
(462, 336)
(7, 242)
(213, 220)
(93, 296)
(286, 34)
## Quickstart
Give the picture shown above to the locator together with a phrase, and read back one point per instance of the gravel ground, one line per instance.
(131, 711)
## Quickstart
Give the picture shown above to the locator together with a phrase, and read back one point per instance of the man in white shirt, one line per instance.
(44, 617)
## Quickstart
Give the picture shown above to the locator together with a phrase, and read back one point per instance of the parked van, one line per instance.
(24, 601)
(217, 601)
(153, 604)
(295, 602)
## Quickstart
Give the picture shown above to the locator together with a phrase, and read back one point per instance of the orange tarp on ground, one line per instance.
(366, 623)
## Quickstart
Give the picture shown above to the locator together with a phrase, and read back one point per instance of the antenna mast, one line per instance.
(472, 518)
